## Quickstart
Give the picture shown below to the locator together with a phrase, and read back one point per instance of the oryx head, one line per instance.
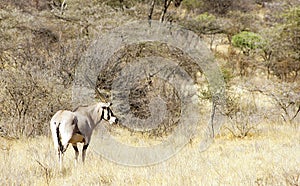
(103, 107)
(106, 114)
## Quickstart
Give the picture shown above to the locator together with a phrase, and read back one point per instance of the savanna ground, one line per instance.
(268, 157)
(256, 44)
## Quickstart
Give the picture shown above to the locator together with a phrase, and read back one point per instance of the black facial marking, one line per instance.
(108, 113)
(111, 113)
(85, 147)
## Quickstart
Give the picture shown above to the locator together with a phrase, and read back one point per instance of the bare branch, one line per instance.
(297, 112)
(212, 116)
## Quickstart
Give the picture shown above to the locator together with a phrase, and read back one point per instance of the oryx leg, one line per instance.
(84, 151)
(61, 151)
(60, 159)
(76, 153)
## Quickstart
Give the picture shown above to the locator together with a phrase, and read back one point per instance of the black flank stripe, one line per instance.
(102, 115)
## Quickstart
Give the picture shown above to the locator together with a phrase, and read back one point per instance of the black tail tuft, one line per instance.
(59, 138)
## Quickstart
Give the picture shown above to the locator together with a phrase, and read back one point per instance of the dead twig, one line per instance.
(47, 172)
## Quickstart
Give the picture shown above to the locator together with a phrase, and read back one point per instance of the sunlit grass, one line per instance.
(270, 156)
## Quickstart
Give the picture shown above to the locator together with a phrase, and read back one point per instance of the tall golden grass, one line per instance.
(270, 156)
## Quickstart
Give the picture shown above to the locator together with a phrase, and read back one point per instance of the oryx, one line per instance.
(77, 126)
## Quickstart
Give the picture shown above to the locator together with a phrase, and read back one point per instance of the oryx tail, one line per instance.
(58, 137)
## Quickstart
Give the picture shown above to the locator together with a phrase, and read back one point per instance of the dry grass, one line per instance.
(269, 157)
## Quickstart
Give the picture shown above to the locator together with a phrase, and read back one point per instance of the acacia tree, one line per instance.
(243, 57)
(247, 41)
(281, 49)
(291, 39)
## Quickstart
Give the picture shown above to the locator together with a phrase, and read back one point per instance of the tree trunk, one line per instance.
(164, 11)
(151, 10)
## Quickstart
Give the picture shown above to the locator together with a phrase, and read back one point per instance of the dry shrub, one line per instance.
(145, 89)
(28, 103)
(242, 115)
(285, 98)
(36, 81)
(291, 177)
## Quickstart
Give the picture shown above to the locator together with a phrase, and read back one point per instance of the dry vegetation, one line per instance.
(256, 43)
(270, 156)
